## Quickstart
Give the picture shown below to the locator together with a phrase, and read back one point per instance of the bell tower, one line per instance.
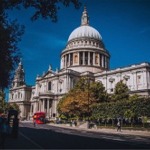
(19, 78)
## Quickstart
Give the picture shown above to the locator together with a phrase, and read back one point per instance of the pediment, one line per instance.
(49, 73)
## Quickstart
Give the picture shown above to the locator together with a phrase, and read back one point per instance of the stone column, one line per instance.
(65, 61)
(78, 57)
(88, 58)
(39, 105)
(48, 108)
(31, 110)
(61, 66)
(42, 104)
(144, 77)
(68, 60)
(94, 59)
(52, 108)
(83, 58)
(105, 62)
(102, 60)
(36, 106)
(99, 59)
(134, 80)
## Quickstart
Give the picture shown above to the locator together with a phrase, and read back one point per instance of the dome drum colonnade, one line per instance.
(85, 49)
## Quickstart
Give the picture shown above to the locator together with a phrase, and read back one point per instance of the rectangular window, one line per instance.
(49, 86)
(138, 79)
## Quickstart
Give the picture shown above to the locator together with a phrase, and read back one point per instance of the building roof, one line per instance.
(85, 31)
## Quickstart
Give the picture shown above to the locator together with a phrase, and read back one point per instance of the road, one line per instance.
(51, 137)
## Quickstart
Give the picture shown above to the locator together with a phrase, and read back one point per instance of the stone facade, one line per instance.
(84, 55)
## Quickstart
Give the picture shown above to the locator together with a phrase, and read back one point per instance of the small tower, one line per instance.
(85, 18)
(19, 78)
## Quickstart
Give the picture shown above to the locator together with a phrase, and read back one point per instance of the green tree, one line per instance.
(126, 109)
(82, 84)
(121, 92)
(129, 114)
(46, 9)
(98, 92)
(2, 102)
(13, 106)
(134, 97)
(10, 35)
(78, 101)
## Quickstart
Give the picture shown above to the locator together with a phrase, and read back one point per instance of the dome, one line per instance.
(85, 50)
(85, 31)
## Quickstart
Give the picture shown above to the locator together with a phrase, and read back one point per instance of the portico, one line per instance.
(45, 104)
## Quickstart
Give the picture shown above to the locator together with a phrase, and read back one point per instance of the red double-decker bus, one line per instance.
(39, 117)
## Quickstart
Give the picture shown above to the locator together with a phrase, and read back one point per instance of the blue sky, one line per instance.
(123, 24)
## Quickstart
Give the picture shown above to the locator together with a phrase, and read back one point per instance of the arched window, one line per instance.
(49, 86)
(75, 58)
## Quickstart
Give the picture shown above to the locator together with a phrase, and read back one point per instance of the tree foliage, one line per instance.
(79, 100)
(83, 84)
(121, 91)
(46, 9)
(2, 102)
(98, 92)
(125, 109)
(75, 104)
(13, 106)
(5, 106)
(10, 35)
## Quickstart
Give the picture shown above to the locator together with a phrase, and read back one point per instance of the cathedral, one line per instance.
(84, 55)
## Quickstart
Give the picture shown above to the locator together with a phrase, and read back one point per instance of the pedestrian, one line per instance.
(118, 126)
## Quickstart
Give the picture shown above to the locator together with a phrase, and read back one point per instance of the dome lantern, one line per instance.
(85, 17)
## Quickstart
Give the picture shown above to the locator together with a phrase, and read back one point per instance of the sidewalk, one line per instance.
(106, 130)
